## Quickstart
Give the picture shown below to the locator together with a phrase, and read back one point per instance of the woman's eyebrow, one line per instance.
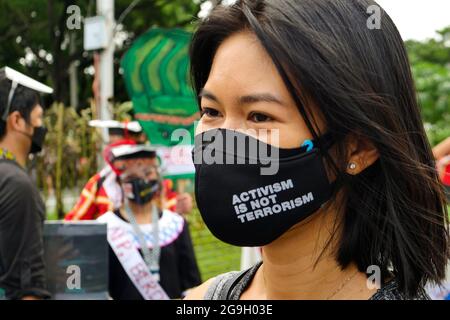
(208, 95)
(260, 97)
(247, 99)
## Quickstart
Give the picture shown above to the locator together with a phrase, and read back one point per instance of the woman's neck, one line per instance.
(296, 266)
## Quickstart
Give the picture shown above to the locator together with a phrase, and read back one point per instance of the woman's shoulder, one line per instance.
(227, 286)
(210, 289)
(391, 291)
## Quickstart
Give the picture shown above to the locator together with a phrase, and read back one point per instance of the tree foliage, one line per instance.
(430, 62)
(35, 38)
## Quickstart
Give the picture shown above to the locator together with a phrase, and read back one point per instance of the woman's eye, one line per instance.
(259, 117)
(209, 112)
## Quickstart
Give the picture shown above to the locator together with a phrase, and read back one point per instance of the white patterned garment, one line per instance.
(170, 227)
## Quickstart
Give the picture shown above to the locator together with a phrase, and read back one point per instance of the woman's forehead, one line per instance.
(236, 72)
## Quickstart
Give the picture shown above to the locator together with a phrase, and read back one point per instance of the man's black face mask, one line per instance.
(37, 139)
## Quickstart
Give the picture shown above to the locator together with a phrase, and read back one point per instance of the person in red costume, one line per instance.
(102, 193)
(442, 154)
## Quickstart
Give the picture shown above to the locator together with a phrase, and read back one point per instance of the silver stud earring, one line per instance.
(352, 166)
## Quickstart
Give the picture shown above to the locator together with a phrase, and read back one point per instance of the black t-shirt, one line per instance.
(178, 270)
(22, 213)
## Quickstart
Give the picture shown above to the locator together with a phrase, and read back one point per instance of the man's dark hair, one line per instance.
(24, 101)
(394, 213)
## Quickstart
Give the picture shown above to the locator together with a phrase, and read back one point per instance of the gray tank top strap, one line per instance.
(230, 286)
(216, 287)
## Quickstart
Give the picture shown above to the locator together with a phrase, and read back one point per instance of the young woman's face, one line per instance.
(245, 91)
(145, 169)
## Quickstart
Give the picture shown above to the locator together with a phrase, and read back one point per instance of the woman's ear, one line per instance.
(361, 154)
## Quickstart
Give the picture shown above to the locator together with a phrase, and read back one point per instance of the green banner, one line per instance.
(156, 72)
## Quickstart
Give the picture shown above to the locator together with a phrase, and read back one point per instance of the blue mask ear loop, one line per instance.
(308, 144)
(325, 141)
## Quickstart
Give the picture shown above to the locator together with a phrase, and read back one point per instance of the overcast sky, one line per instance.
(415, 19)
(418, 19)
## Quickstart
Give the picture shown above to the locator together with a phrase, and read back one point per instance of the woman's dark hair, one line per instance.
(394, 214)
(24, 101)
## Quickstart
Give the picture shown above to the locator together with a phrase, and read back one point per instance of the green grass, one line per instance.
(52, 216)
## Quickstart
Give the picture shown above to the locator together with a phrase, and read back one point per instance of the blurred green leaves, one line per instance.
(430, 61)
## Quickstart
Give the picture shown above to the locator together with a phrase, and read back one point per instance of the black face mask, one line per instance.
(37, 139)
(142, 191)
(241, 206)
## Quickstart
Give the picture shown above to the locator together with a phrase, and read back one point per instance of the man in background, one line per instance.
(22, 211)
(441, 153)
